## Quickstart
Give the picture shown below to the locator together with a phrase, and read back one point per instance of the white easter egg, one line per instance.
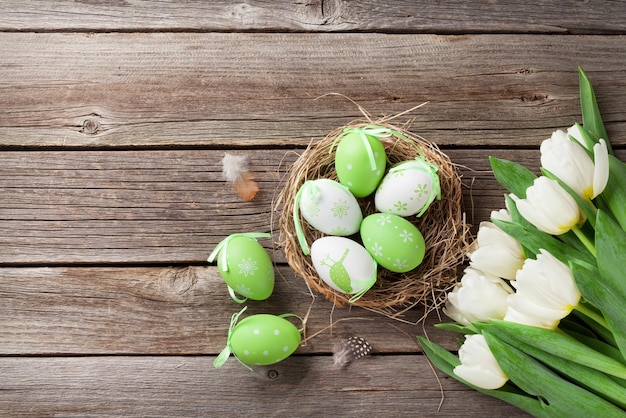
(408, 188)
(344, 264)
(329, 207)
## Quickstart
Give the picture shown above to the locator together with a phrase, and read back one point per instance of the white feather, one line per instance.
(233, 166)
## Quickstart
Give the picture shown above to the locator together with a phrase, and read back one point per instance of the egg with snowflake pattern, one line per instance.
(264, 339)
(245, 266)
(328, 207)
(408, 188)
(394, 242)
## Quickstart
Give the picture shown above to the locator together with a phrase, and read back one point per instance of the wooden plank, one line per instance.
(253, 89)
(450, 16)
(174, 310)
(382, 386)
(163, 206)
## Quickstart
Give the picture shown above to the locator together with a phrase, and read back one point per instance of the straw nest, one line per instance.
(443, 226)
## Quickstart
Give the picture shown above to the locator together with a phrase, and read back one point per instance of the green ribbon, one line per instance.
(370, 282)
(431, 170)
(221, 250)
(311, 189)
(225, 353)
(371, 130)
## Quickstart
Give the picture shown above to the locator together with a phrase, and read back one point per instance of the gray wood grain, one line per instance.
(174, 310)
(251, 90)
(162, 207)
(303, 386)
(449, 16)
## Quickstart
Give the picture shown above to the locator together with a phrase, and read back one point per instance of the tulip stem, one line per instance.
(592, 314)
(586, 241)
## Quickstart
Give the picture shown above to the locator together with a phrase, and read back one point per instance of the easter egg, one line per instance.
(329, 207)
(360, 162)
(245, 266)
(264, 339)
(343, 264)
(408, 188)
(395, 243)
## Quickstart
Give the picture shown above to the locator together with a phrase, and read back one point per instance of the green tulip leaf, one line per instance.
(446, 362)
(556, 343)
(534, 240)
(611, 250)
(614, 194)
(592, 120)
(560, 397)
(512, 176)
(595, 381)
(595, 343)
(456, 327)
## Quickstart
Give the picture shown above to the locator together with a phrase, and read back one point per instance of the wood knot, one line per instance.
(90, 126)
(180, 281)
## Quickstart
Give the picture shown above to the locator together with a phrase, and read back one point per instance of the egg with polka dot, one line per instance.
(408, 188)
(264, 339)
(394, 242)
(360, 162)
(328, 207)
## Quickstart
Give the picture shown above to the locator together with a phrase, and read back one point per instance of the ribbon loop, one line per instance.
(225, 353)
(222, 247)
(369, 283)
(431, 171)
(311, 189)
(290, 315)
(234, 297)
(376, 131)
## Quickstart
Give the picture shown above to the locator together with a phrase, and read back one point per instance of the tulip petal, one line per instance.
(601, 167)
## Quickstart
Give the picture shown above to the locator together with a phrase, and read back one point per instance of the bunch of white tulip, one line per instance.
(543, 301)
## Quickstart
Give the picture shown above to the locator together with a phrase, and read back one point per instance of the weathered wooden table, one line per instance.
(114, 116)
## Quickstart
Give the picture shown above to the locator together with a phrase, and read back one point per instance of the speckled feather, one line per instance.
(353, 348)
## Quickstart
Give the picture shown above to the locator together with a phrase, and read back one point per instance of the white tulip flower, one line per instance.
(571, 164)
(574, 132)
(549, 207)
(545, 292)
(478, 364)
(495, 252)
(479, 297)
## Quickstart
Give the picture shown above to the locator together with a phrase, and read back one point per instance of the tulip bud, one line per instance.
(549, 207)
(569, 162)
(545, 292)
(496, 252)
(478, 364)
(478, 297)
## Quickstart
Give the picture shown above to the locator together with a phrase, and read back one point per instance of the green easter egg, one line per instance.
(264, 339)
(395, 243)
(354, 165)
(248, 270)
